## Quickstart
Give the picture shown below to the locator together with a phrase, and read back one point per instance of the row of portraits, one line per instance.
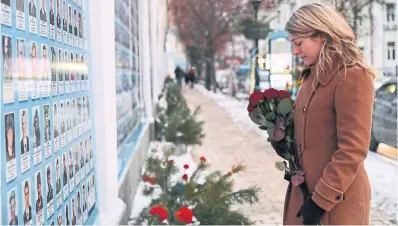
(70, 209)
(69, 21)
(34, 72)
(70, 120)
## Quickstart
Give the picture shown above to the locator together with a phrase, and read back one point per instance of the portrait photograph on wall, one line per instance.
(37, 147)
(32, 16)
(8, 78)
(24, 139)
(39, 198)
(9, 131)
(23, 82)
(27, 200)
(12, 207)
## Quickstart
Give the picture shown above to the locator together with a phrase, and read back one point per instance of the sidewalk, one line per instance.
(230, 140)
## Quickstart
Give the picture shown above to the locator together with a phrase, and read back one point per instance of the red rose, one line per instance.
(171, 161)
(283, 94)
(185, 177)
(202, 159)
(186, 166)
(271, 93)
(184, 214)
(256, 97)
(250, 108)
(160, 211)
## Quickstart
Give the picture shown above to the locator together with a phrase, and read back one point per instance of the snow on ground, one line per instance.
(383, 179)
(382, 173)
(156, 150)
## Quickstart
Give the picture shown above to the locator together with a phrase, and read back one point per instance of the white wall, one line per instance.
(152, 28)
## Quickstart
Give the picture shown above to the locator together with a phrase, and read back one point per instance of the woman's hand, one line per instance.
(310, 212)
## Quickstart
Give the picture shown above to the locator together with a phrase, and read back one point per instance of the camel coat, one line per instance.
(332, 132)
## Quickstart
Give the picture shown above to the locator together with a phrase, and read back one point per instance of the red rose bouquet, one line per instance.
(272, 110)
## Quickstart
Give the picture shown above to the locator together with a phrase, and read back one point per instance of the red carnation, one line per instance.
(160, 211)
(202, 159)
(271, 93)
(184, 214)
(149, 179)
(250, 108)
(186, 166)
(283, 94)
(256, 97)
(185, 177)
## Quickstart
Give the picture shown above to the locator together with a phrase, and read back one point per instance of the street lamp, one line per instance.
(256, 6)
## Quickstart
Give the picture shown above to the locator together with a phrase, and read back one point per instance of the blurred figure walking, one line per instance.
(190, 78)
(179, 75)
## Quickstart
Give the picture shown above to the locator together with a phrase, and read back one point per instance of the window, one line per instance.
(390, 12)
(391, 51)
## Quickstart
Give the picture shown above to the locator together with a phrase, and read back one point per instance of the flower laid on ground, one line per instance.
(184, 214)
(149, 179)
(160, 212)
(186, 166)
(272, 110)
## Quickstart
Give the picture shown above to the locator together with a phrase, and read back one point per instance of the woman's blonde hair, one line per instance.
(316, 19)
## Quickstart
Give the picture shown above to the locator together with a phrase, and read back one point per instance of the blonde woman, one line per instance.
(332, 120)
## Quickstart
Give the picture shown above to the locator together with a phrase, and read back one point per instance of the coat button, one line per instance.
(304, 109)
(338, 198)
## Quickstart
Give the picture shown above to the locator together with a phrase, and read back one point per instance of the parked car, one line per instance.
(384, 119)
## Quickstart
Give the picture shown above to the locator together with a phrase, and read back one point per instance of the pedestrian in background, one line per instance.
(190, 78)
(332, 118)
(179, 73)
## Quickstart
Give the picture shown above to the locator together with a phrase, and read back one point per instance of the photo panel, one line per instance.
(73, 210)
(67, 214)
(69, 120)
(60, 73)
(65, 176)
(9, 148)
(27, 202)
(34, 70)
(65, 22)
(74, 115)
(43, 18)
(37, 147)
(47, 130)
(63, 123)
(71, 171)
(21, 70)
(32, 17)
(70, 25)
(49, 190)
(45, 71)
(8, 77)
(59, 20)
(39, 198)
(58, 182)
(56, 127)
(12, 206)
(24, 140)
(52, 19)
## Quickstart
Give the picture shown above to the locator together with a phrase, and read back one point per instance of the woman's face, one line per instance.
(10, 136)
(307, 49)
